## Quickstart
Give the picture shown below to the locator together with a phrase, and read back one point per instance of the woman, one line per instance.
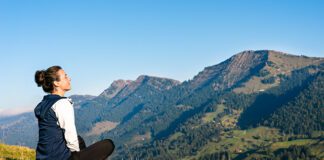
(58, 137)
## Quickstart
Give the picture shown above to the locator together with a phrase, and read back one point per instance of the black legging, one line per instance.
(97, 151)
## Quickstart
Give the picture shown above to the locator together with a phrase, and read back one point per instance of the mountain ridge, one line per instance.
(150, 110)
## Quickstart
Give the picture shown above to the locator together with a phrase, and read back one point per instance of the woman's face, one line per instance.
(64, 82)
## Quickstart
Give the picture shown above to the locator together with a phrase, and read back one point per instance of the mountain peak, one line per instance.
(115, 88)
(157, 82)
(121, 83)
(128, 86)
(230, 71)
(141, 78)
(278, 64)
(285, 63)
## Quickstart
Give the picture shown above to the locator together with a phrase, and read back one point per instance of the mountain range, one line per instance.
(256, 104)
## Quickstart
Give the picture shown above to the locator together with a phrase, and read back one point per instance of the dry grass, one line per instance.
(286, 62)
(16, 152)
(282, 64)
(101, 127)
(140, 138)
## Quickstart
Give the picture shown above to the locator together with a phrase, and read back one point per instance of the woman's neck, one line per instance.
(59, 92)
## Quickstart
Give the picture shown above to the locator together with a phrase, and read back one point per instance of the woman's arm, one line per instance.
(65, 114)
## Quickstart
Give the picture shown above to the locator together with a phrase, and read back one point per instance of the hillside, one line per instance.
(212, 108)
(119, 103)
(216, 130)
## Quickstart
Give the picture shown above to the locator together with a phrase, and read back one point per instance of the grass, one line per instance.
(175, 136)
(290, 62)
(318, 149)
(282, 64)
(138, 139)
(101, 127)
(209, 117)
(230, 120)
(257, 140)
(315, 146)
(317, 134)
(9, 152)
(254, 85)
(299, 142)
(238, 141)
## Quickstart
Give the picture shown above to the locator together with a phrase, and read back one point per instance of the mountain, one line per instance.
(254, 104)
(303, 114)
(231, 71)
(79, 99)
(105, 112)
(19, 130)
(244, 92)
(115, 88)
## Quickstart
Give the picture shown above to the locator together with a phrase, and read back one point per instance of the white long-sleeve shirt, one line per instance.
(64, 111)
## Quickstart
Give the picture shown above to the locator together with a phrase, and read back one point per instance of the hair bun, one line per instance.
(40, 78)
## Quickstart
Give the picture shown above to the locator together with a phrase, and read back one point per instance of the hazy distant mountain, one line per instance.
(79, 99)
(248, 105)
(19, 130)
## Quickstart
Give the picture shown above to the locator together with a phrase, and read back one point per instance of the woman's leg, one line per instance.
(98, 151)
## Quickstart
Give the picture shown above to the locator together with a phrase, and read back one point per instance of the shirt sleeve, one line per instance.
(65, 114)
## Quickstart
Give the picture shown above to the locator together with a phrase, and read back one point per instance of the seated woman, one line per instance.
(58, 139)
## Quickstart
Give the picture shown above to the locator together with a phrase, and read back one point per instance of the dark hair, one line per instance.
(45, 78)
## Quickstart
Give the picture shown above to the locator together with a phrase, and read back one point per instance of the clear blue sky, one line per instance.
(97, 42)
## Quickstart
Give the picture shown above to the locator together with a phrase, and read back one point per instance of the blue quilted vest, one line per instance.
(51, 144)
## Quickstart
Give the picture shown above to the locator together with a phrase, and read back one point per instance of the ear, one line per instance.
(56, 83)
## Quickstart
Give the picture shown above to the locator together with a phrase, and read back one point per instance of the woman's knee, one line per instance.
(110, 145)
(109, 142)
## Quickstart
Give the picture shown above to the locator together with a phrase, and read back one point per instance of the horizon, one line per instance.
(101, 41)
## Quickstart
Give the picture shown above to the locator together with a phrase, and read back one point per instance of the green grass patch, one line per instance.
(239, 141)
(317, 134)
(318, 149)
(230, 120)
(175, 136)
(286, 144)
(209, 117)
